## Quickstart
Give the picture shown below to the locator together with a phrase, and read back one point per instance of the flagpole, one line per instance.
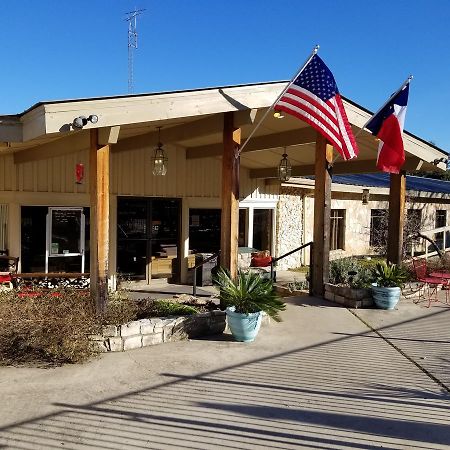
(406, 82)
(314, 52)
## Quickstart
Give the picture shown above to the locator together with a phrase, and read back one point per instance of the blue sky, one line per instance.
(65, 49)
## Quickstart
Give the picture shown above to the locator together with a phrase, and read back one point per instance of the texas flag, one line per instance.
(387, 125)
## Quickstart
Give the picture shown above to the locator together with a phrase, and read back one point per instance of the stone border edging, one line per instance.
(146, 332)
(349, 297)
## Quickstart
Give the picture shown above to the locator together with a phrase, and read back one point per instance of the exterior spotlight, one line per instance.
(278, 114)
(81, 121)
(284, 169)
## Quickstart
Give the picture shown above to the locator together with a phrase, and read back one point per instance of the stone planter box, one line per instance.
(346, 296)
(146, 332)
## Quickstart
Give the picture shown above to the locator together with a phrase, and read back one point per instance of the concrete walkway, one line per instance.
(319, 380)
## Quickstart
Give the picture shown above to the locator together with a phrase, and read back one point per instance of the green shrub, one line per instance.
(390, 275)
(353, 272)
(158, 308)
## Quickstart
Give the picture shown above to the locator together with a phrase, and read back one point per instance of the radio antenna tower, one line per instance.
(132, 44)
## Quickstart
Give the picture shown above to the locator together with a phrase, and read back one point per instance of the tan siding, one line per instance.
(256, 188)
(7, 173)
(131, 174)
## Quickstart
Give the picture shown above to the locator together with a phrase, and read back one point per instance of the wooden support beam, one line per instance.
(322, 209)
(397, 195)
(230, 195)
(108, 135)
(190, 130)
(293, 137)
(339, 168)
(99, 158)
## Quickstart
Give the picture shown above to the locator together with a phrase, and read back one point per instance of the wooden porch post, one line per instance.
(99, 219)
(230, 195)
(397, 193)
(322, 209)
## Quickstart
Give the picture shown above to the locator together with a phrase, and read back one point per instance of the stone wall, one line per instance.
(289, 226)
(346, 296)
(146, 332)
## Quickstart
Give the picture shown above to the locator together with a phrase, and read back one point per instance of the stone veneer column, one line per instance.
(289, 226)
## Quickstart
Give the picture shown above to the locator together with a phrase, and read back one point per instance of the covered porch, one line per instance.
(201, 131)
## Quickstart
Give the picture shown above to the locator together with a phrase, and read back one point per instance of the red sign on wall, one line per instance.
(79, 173)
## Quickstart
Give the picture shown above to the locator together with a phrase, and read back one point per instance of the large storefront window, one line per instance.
(204, 230)
(51, 239)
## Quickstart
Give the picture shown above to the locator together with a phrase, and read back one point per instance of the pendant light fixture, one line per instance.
(284, 169)
(159, 159)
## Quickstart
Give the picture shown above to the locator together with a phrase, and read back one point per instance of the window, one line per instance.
(3, 227)
(414, 219)
(243, 227)
(441, 221)
(441, 218)
(262, 229)
(204, 230)
(337, 229)
(378, 227)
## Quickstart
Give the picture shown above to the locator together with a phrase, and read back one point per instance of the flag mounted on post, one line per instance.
(387, 124)
(313, 97)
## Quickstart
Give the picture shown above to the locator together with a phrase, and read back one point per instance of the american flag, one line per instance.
(314, 98)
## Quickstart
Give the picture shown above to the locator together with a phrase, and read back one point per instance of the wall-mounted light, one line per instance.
(278, 114)
(285, 168)
(81, 121)
(440, 160)
(365, 196)
(159, 159)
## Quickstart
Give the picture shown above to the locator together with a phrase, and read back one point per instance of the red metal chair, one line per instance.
(5, 281)
(431, 283)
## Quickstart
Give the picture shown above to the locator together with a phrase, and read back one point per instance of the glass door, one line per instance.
(132, 238)
(148, 238)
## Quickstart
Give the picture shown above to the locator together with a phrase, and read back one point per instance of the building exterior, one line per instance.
(66, 190)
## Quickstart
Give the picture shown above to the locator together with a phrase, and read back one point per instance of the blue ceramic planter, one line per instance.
(385, 297)
(244, 327)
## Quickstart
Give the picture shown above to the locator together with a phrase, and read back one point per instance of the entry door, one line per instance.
(148, 238)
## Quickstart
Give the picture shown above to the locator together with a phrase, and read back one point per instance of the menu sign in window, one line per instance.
(65, 232)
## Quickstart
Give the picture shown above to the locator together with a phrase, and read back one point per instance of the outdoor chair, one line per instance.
(8, 266)
(430, 282)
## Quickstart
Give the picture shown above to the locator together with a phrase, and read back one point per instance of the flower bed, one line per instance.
(146, 332)
(349, 297)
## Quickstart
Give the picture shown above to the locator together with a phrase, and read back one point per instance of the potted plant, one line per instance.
(245, 299)
(389, 278)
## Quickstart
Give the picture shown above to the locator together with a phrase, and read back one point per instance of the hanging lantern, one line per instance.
(284, 169)
(159, 159)
(365, 196)
(79, 173)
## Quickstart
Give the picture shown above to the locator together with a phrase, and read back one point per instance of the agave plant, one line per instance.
(390, 275)
(249, 293)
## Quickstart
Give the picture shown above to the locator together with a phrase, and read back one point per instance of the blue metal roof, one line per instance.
(382, 180)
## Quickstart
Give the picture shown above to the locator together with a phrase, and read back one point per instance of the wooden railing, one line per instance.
(423, 248)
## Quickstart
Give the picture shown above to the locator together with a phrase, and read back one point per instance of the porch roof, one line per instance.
(193, 119)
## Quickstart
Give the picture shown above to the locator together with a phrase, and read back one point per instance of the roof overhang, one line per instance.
(193, 119)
